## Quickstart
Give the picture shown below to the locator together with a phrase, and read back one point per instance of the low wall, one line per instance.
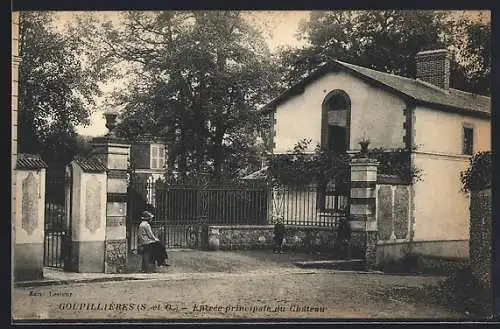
(297, 238)
(444, 249)
(388, 252)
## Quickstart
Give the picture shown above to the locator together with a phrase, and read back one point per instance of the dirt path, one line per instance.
(274, 293)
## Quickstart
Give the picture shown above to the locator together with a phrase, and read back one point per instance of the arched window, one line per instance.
(336, 121)
(335, 132)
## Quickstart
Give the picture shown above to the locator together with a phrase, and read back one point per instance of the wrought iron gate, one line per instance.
(184, 209)
(57, 242)
(178, 212)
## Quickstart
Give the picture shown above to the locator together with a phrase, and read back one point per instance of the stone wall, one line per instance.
(393, 209)
(394, 219)
(310, 238)
(480, 236)
(116, 256)
(262, 237)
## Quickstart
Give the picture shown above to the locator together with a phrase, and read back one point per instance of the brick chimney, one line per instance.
(433, 66)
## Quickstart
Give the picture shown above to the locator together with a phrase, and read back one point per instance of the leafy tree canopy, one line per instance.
(58, 80)
(388, 40)
(201, 77)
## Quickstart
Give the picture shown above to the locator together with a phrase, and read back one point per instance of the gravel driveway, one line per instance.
(246, 285)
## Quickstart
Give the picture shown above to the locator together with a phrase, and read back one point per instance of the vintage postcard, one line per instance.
(251, 165)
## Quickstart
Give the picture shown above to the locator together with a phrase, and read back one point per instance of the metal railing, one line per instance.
(56, 230)
(309, 206)
(183, 209)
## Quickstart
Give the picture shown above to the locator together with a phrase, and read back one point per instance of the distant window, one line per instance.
(157, 156)
(150, 195)
(331, 199)
(468, 141)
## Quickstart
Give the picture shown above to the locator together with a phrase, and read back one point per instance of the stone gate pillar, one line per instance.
(29, 222)
(114, 154)
(87, 215)
(363, 243)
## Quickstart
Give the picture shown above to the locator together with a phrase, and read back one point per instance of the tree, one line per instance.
(384, 40)
(477, 51)
(55, 88)
(200, 78)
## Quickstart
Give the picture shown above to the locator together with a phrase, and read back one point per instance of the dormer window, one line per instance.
(157, 156)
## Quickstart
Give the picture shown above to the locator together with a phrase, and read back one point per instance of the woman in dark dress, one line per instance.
(151, 248)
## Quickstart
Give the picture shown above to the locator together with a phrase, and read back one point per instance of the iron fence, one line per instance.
(216, 204)
(311, 205)
(56, 228)
(183, 209)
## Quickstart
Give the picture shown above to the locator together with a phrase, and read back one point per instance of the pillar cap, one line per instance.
(91, 165)
(30, 161)
(110, 140)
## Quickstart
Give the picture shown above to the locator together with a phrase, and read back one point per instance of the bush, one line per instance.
(478, 173)
(464, 292)
(299, 168)
(396, 162)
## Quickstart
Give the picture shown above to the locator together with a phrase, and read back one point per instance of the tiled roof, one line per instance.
(426, 92)
(30, 161)
(417, 90)
(91, 165)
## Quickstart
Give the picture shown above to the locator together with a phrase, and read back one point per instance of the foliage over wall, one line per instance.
(478, 173)
(396, 162)
(299, 168)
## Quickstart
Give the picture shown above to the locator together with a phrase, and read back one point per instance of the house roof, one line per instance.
(416, 90)
(30, 161)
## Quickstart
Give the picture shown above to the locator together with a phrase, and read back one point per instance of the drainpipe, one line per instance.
(409, 126)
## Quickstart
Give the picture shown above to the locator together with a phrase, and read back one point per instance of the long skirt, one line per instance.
(151, 253)
(158, 252)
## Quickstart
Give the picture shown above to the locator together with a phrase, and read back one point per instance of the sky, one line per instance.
(282, 24)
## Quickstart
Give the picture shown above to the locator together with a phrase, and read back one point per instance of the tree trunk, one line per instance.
(217, 153)
(181, 155)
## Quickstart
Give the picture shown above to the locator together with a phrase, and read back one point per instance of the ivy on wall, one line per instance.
(299, 167)
(478, 173)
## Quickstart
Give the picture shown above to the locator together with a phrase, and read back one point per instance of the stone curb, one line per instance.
(194, 276)
(53, 282)
(155, 276)
(340, 265)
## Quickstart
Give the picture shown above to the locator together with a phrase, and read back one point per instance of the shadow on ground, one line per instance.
(200, 261)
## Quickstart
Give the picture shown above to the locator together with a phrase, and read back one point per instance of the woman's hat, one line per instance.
(147, 215)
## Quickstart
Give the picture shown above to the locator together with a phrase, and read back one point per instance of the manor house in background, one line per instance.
(340, 103)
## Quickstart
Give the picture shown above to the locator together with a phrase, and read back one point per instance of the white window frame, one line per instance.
(157, 152)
